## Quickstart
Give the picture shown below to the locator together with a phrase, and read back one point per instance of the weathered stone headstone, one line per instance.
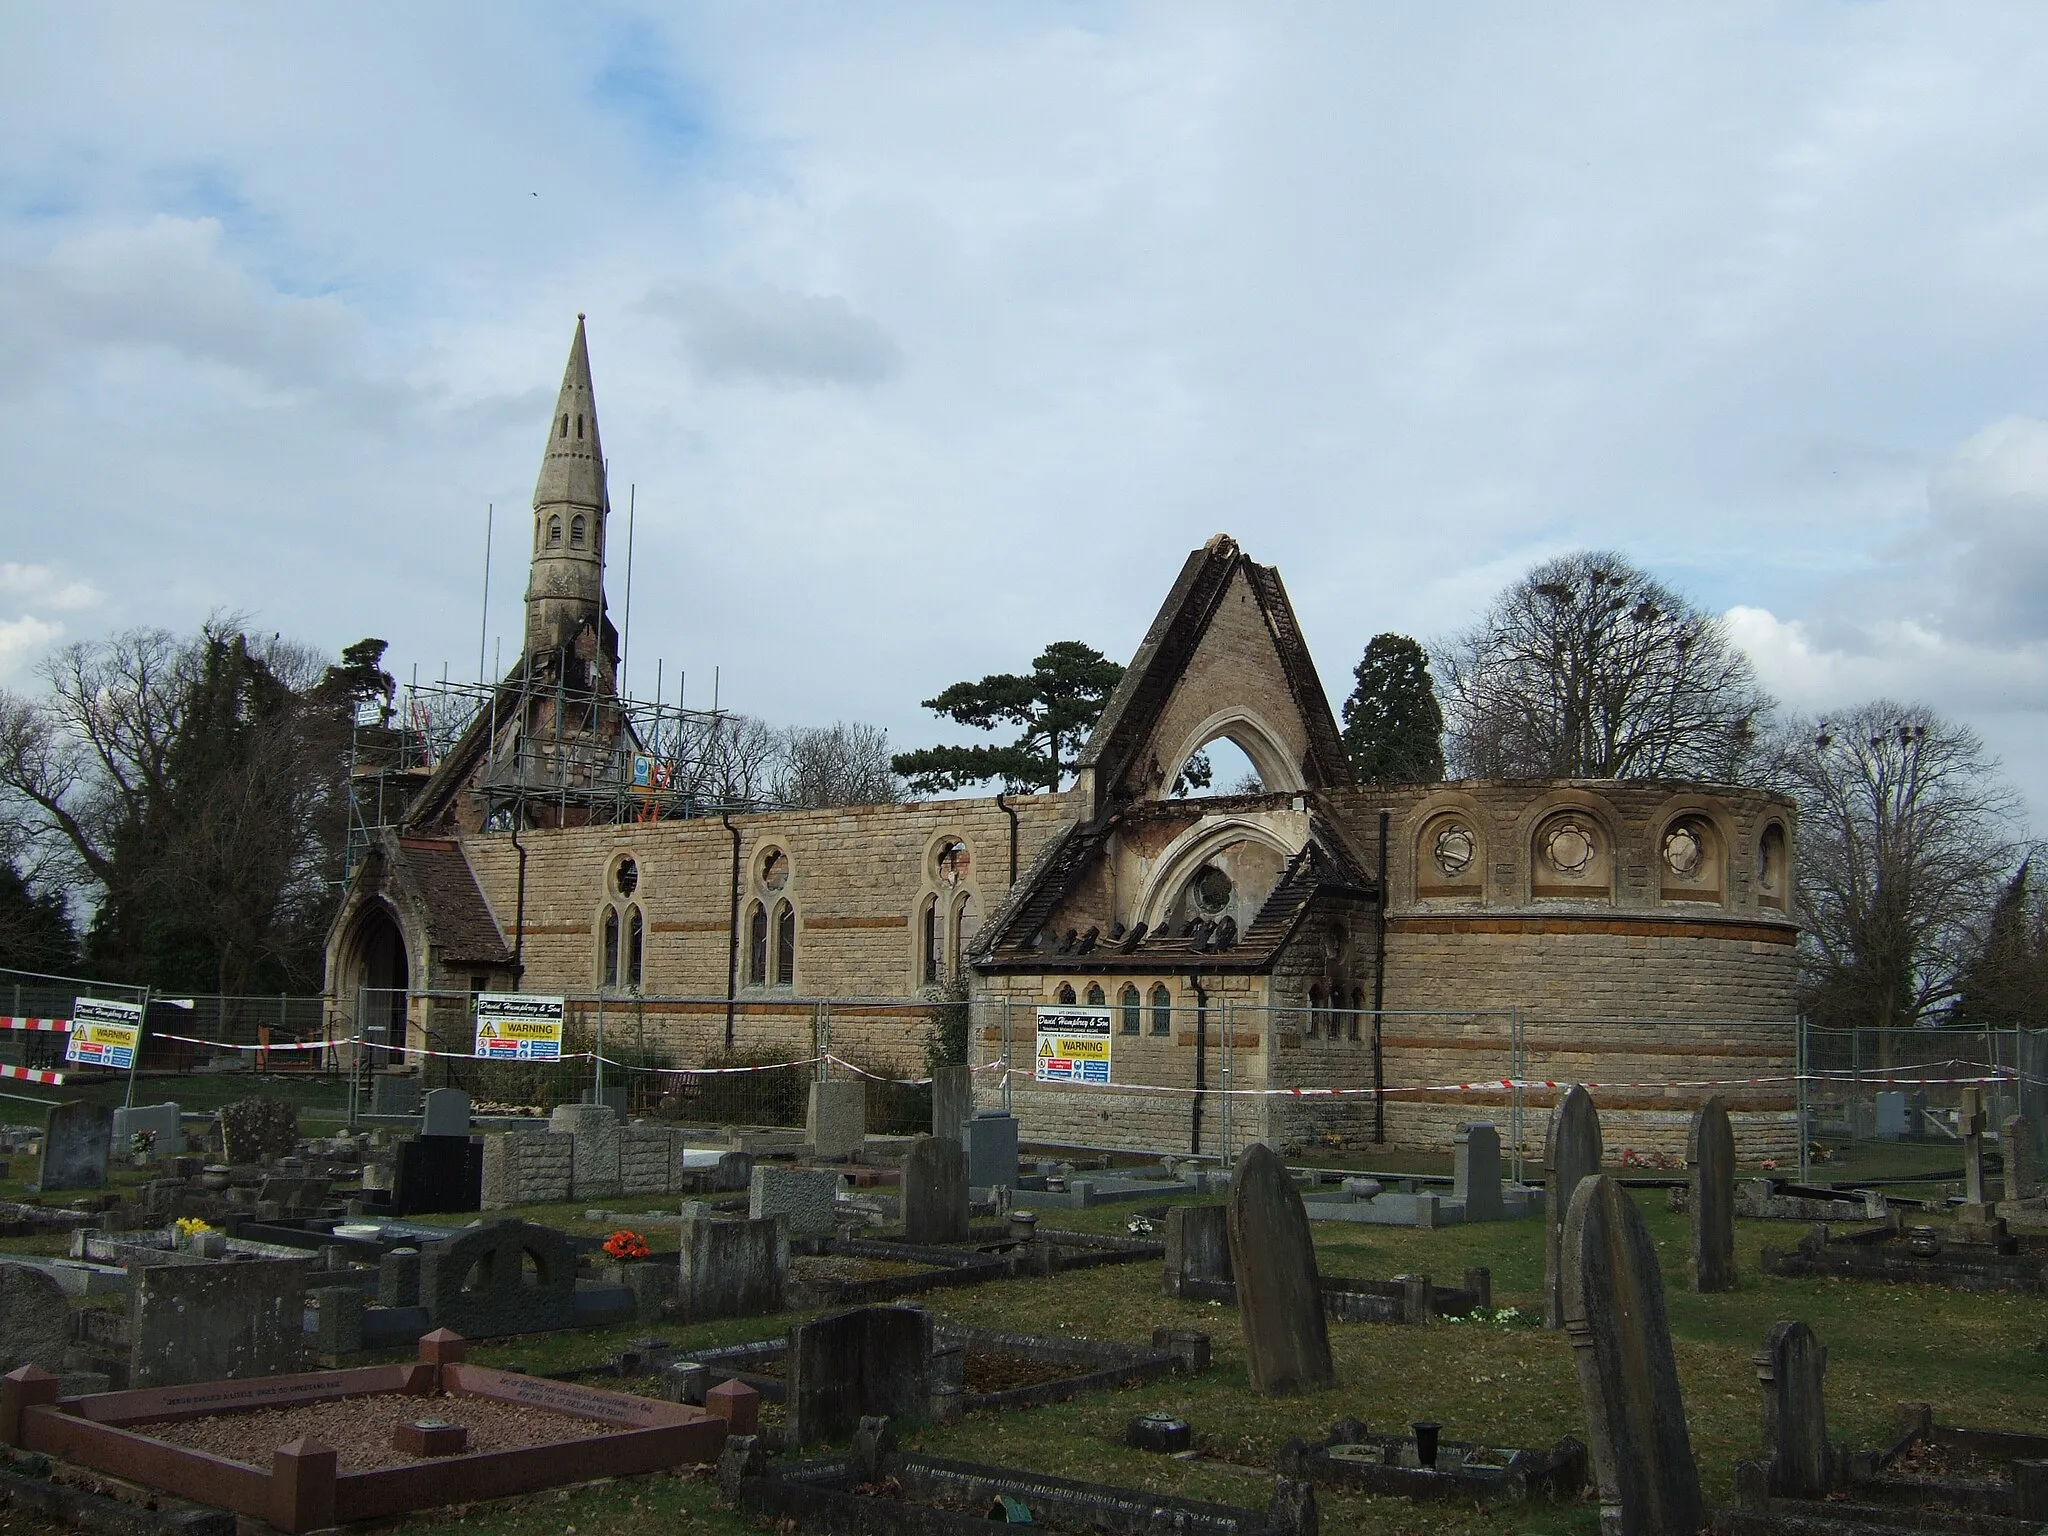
(159, 1121)
(524, 1167)
(836, 1121)
(733, 1171)
(2016, 1143)
(865, 1361)
(445, 1112)
(952, 1100)
(35, 1320)
(1571, 1152)
(1972, 1122)
(1710, 1195)
(1628, 1380)
(499, 1278)
(1791, 1368)
(398, 1279)
(395, 1093)
(935, 1192)
(594, 1150)
(802, 1196)
(1197, 1246)
(75, 1142)
(992, 1149)
(1475, 1171)
(733, 1268)
(213, 1322)
(1891, 1114)
(1279, 1296)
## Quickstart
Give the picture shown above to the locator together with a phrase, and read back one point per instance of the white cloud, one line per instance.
(771, 335)
(43, 587)
(22, 641)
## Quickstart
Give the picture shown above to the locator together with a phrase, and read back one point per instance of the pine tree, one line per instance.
(1057, 704)
(1393, 726)
(2001, 987)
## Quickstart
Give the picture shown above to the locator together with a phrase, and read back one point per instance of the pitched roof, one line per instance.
(458, 918)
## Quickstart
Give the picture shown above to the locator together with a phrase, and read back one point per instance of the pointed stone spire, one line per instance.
(572, 470)
(565, 588)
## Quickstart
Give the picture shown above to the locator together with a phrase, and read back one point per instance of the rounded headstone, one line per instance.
(35, 1320)
(1710, 1194)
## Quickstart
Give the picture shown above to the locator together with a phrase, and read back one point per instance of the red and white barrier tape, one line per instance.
(1507, 1084)
(33, 1075)
(229, 1045)
(52, 1025)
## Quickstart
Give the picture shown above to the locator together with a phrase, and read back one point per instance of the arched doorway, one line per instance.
(382, 976)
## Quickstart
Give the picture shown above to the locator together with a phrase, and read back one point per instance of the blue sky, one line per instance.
(929, 334)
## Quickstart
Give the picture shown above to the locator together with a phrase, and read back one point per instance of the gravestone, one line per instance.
(732, 1268)
(445, 1112)
(398, 1279)
(395, 1093)
(803, 1196)
(1891, 1114)
(1279, 1296)
(1571, 1152)
(1973, 1123)
(2016, 1142)
(1475, 1171)
(1710, 1192)
(437, 1173)
(614, 1097)
(499, 1278)
(1197, 1247)
(836, 1121)
(524, 1167)
(992, 1149)
(1628, 1381)
(159, 1120)
(733, 1171)
(593, 1151)
(1791, 1368)
(75, 1141)
(952, 1100)
(935, 1192)
(214, 1322)
(862, 1362)
(35, 1320)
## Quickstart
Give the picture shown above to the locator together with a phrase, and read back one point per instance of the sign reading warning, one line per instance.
(104, 1033)
(1073, 1045)
(519, 1026)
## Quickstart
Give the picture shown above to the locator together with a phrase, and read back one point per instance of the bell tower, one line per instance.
(565, 591)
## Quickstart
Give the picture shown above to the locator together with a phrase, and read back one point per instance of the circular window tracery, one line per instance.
(774, 869)
(1211, 889)
(1569, 847)
(1455, 849)
(1683, 851)
(952, 861)
(626, 877)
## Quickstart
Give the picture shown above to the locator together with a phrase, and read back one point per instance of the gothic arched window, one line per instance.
(578, 531)
(1095, 997)
(785, 945)
(636, 946)
(1162, 1010)
(1066, 993)
(609, 975)
(757, 945)
(554, 533)
(928, 943)
(1133, 1006)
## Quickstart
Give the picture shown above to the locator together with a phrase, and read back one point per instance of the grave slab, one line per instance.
(445, 1112)
(35, 1320)
(216, 1321)
(503, 1277)
(1475, 1172)
(952, 1101)
(733, 1268)
(992, 1149)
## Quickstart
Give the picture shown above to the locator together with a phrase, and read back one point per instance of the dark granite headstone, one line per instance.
(732, 1268)
(503, 1277)
(1628, 1379)
(438, 1173)
(1475, 1171)
(846, 1366)
(733, 1171)
(75, 1142)
(952, 1100)
(991, 1149)
(2022, 1175)
(1197, 1246)
(215, 1322)
(1710, 1179)
(1791, 1368)
(1279, 1296)
(35, 1320)
(1571, 1152)
(935, 1192)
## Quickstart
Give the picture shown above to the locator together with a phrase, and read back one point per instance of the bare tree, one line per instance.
(1590, 668)
(840, 764)
(1907, 834)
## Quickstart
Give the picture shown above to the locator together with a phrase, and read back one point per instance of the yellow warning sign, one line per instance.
(1073, 1045)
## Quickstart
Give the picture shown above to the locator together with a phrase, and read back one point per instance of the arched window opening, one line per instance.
(928, 942)
(554, 533)
(1315, 1012)
(636, 947)
(626, 878)
(1220, 768)
(1066, 992)
(565, 424)
(579, 428)
(1095, 995)
(1357, 1008)
(757, 945)
(966, 924)
(1162, 1011)
(1133, 1006)
(609, 975)
(579, 530)
(785, 945)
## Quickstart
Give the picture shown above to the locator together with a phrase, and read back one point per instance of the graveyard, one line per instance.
(795, 1330)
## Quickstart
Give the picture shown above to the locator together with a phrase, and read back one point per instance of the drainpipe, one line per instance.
(1201, 1063)
(1010, 811)
(1379, 992)
(732, 948)
(519, 922)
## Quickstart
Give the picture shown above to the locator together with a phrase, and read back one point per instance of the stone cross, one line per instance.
(1790, 1368)
(1475, 1171)
(1279, 1294)
(1571, 1152)
(2016, 1141)
(1972, 1122)
(1621, 1343)
(1710, 1177)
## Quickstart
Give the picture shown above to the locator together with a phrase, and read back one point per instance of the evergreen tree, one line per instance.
(2002, 987)
(1393, 726)
(1057, 703)
(35, 928)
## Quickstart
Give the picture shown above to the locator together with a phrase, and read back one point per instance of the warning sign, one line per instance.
(1073, 1045)
(519, 1026)
(104, 1033)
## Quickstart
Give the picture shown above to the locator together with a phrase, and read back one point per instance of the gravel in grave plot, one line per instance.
(360, 1428)
(812, 1268)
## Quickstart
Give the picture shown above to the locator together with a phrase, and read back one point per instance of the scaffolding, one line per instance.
(550, 755)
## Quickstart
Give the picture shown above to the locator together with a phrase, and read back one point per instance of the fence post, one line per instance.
(1229, 1041)
(1006, 1053)
(1518, 1070)
(1801, 1049)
